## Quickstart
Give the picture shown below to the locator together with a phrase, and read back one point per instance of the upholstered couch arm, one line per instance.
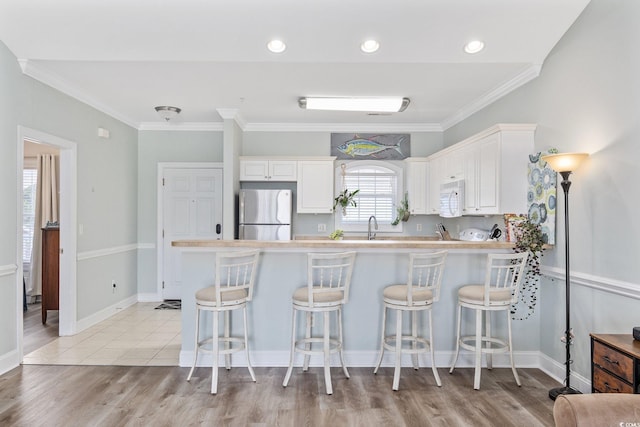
(597, 410)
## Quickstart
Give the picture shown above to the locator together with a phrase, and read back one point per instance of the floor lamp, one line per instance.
(565, 163)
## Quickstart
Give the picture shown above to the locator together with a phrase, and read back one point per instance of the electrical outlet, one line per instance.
(322, 228)
(418, 227)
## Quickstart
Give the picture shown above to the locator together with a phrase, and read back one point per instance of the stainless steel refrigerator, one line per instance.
(264, 215)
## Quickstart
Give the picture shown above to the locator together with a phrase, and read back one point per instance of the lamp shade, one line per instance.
(565, 162)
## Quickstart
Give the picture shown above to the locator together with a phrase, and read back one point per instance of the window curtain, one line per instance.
(46, 211)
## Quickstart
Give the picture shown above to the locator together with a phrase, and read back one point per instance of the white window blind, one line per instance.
(29, 182)
(378, 195)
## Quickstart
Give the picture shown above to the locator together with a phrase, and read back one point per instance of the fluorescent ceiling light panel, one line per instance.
(387, 104)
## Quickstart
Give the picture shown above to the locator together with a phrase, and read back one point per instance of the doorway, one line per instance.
(189, 207)
(68, 245)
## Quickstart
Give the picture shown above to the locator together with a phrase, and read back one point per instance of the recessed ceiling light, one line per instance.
(474, 46)
(369, 46)
(276, 46)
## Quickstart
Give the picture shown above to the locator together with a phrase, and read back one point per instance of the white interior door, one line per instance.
(192, 209)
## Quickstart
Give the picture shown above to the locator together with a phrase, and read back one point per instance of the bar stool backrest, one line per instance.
(329, 274)
(504, 273)
(425, 273)
(235, 272)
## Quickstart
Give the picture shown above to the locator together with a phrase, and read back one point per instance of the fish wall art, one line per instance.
(368, 146)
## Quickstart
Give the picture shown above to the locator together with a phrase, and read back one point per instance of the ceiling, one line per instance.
(209, 57)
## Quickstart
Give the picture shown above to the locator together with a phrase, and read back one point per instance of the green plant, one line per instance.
(529, 238)
(345, 199)
(336, 235)
(403, 210)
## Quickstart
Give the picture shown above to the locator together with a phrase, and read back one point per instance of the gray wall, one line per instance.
(106, 191)
(155, 147)
(587, 99)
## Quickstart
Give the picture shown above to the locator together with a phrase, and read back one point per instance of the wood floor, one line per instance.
(33, 395)
(36, 334)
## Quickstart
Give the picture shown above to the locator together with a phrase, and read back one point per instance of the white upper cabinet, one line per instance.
(416, 184)
(493, 164)
(315, 186)
(263, 169)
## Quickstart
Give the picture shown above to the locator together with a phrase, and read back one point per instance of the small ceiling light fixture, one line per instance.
(167, 112)
(474, 46)
(383, 104)
(370, 46)
(276, 46)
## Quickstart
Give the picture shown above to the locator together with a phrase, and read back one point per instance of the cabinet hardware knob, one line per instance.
(614, 362)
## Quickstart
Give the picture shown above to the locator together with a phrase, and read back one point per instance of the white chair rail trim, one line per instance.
(618, 287)
(109, 251)
(8, 270)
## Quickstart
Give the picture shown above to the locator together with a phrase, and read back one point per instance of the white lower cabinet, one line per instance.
(315, 186)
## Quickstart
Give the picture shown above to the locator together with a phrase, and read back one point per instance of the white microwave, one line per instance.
(452, 198)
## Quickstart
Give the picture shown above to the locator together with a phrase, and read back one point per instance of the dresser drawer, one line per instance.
(613, 361)
(604, 382)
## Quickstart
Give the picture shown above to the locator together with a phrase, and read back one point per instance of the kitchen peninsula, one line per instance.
(283, 268)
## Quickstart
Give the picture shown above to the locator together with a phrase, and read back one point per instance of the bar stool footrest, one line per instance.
(498, 345)
(222, 340)
(423, 344)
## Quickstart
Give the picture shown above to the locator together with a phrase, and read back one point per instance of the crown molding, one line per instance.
(182, 126)
(342, 127)
(529, 73)
(50, 79)
(39, 73)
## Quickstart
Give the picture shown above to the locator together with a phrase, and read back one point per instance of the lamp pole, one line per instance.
(565, 164)
(555, 392)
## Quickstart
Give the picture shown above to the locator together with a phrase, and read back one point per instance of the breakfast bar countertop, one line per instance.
(348, 243)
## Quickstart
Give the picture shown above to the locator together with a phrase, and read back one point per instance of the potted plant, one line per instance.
(403, 210)
(529, 238)
(344, 200)
(336, 235)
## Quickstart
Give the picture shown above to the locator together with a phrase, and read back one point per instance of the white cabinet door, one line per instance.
(315, 186)
(488, 186)
(481, 176)
(435, 173)
(254, 170)
(268, 170)
(283, 170)
(417, 181)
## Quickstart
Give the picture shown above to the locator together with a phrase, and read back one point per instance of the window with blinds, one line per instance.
(379, 184)
(29, 182)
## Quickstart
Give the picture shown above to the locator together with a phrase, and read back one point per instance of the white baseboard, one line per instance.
(557, 371)
(105, 313)
(9, 361)
(150, 297)
(530, 359)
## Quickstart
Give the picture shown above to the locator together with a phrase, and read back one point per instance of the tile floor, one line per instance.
(137, 336)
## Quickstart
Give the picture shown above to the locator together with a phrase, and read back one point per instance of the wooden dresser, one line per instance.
(615, 363)
(50, 270)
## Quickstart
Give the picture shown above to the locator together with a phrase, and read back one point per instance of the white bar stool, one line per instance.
(500, 290)
(327, 290)
(234, 279)
(418, 294)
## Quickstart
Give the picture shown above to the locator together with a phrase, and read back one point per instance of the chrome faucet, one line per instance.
(372, 235)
